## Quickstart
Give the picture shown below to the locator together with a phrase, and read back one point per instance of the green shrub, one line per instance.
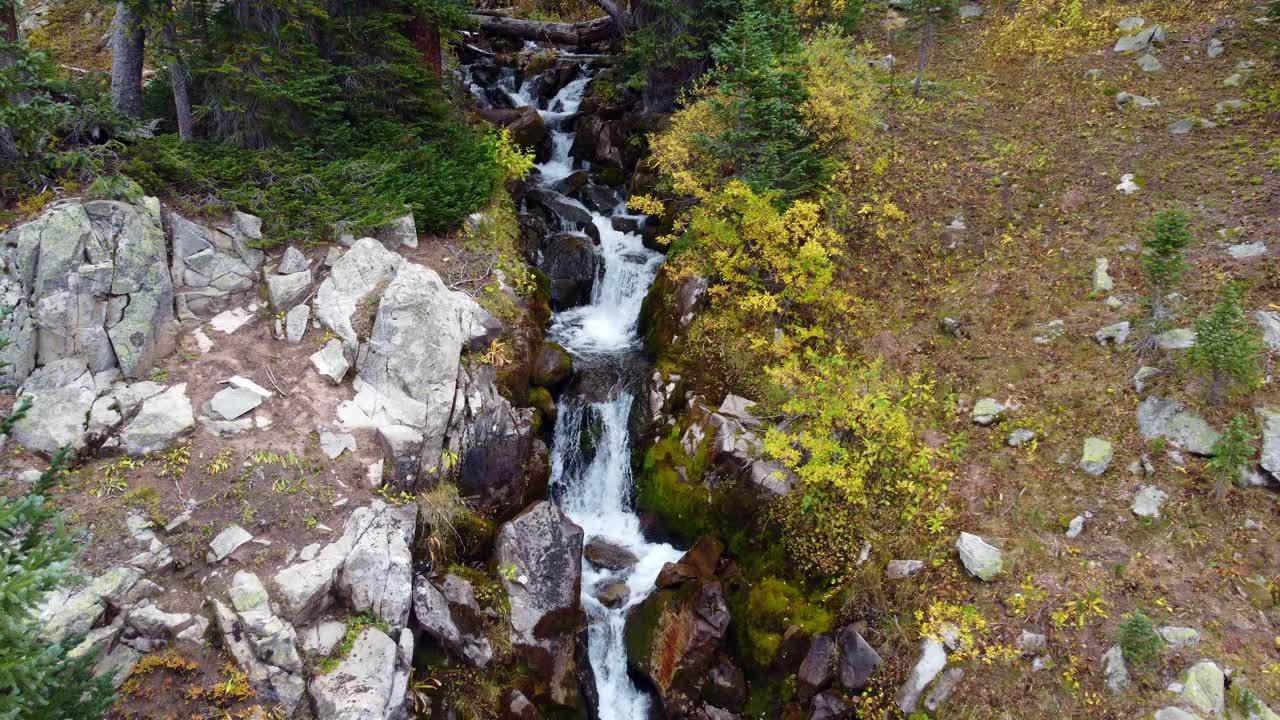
(1164, 238)
(1138, 639)
(1227, 345)
(773, 605)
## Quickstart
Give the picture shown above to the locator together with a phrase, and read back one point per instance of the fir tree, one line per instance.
(1227, 345)
(39, 680)
(1231, 453)
(1138, 639)
(765, 142)
(1163, 240)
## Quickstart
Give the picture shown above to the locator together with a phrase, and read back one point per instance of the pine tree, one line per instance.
(765, 142)
(1163, 240)
(38, 678)
(1227, 345)
(1233, 451)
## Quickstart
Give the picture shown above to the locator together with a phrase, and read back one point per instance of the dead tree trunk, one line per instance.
(127, 41)
(574, 34)
(181, 84)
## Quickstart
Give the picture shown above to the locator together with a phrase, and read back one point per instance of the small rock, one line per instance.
(229, 321)
(374, 474)
(1031, 643)
(1117, 675)
(1128, 184)
(202, 341)
(1270, 324)
(1075, 527)
(1148, 501)
(227, 542)
(295, 323)
(899, 569)
(987, 411)
(1020, 437)
(1174, 713)
(1096, 456)
(231, 403)
(1176, 339)
(1170, 420)
(607, 555)
(982, 560)
(968, 12)
(943, 688)
(1093, 74)
(1233, 80)
(292, 262)
(614, 595)
(1125, 99)
(1102, 280)
(1179, 637)
(1114, 334)
(1214, 48)
(1051, 331)
(1141, 41)
(933, 658)
(1144, 374)
(1225, 106)
(1205, 687)
(1187, 124)
(333, 444)
(1130, 24)
(1149, 63)
(1247, 251)
(331, 361)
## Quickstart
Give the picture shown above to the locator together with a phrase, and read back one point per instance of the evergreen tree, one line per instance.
(765, 142)
(1163, 239)
(1227, 344)
(38, 679)
(927, 15)
(28, 109)
(1231, 453)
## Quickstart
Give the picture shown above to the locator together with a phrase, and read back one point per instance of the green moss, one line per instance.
(765, 610)
(685, 508)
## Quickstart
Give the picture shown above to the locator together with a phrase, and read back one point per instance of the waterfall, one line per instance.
(594, 488)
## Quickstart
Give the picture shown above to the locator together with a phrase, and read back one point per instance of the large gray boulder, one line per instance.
(61, 394)
(540, 555)
(161, 420)
(263, 644)
(359, 275)
(447, 611)
(213, 262)
(369, 565)
(96, 281)
(1169, 419)
(367, 684)
(407, 373)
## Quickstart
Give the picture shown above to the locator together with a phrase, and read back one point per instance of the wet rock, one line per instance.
(1169, 419)
(543, 548)
(551, 365)
(983, 561)
(527, 127)
(725, 686)
(448, 612)
(858, 660)
(614, 595)
(604, 554)
(673, 639)
(817, 670)
(571, 264)
(673, 574)
(704, 556)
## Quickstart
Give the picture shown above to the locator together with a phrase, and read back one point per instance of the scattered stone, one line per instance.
(1228, 106)
(1145, 374)
(1176, 339)
(1141, 41)
(286, 291)
(331, 361)
(982, 560)
(1128, 184)
(858, 660)
(1096, 456)
(295, 323)
(1170, 420)
(292, 262)
(203, 343)
(1205, 687)
(333, 444)
(1114, 334)
(1233, 80)
(1113, 668)
(1131, 23)
(987, 411)
(1148, 500)
(1214, 48)
(1149, 63)
(943, 688)
(1020, 437)
(1102, 280)
(1093, 74)
(1179, 637)
(1032, 643)
(1270, 324)
(1051, 330)
(1125, 99)
(899, 569)
(162, 419)
(231, 403)
(244, 383)
(1187, 124)
(1075, 527)
(374, 474)
(227, 542)
(229, 321)
(1174, 713)
(968, 12)
(933, 658)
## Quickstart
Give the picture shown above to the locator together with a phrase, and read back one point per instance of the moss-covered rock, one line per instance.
(670, 487)
(673, 639)
(552, 365)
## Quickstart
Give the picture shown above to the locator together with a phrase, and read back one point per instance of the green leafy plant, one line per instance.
(1227, 345)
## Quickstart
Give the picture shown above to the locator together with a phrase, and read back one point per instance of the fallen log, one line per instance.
(577, 34)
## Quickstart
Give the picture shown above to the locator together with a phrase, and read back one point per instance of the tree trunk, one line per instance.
(622, 19)
(574, 34)
(925, 42)
(180, 82)
(9, 29)
(127, 40)
(426, 38)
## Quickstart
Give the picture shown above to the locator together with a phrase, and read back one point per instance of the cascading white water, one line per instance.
(594, 488)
